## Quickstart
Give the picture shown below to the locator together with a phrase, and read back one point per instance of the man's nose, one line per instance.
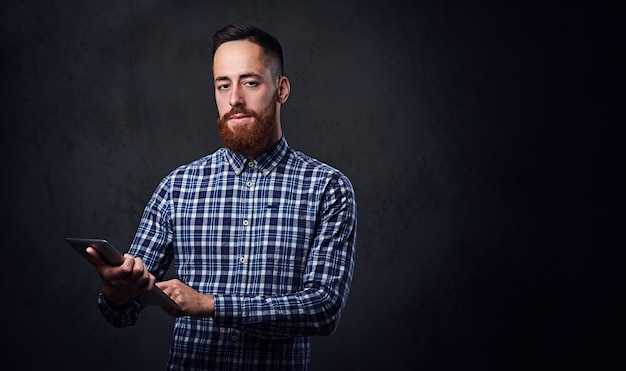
(236, 98)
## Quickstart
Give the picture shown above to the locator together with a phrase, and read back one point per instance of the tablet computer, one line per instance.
(112, 256)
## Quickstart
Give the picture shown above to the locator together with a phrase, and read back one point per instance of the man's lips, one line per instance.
(239, 118)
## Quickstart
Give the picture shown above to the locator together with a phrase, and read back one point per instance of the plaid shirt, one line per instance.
(272, 239)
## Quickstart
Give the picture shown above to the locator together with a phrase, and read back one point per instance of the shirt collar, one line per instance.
(265, 163)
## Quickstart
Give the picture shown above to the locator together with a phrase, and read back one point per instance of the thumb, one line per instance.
(94, 257)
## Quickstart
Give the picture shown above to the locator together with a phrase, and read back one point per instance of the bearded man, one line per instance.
(262, 237)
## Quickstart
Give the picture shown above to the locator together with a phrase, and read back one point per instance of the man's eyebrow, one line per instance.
(242, 76)
(249, 74)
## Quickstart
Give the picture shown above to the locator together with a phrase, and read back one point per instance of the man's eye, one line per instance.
(250, 83)
(222, 87)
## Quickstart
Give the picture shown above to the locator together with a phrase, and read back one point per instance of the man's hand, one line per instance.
(122, 283)
(191, 302)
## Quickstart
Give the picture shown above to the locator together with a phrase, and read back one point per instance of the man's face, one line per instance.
(246, 98)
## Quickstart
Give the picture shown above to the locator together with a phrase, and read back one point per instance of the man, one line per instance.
(261, 236)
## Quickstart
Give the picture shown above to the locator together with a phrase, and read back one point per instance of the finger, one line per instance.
(142, 277)
(127, 266)
(94, 257)
(141, 269)
(166, 284)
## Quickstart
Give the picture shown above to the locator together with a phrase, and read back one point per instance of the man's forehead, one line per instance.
(238, 57)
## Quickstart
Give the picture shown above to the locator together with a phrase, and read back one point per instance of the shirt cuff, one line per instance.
(230, 310)
(107, 306)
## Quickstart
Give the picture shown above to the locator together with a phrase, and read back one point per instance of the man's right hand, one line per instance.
(121, 284)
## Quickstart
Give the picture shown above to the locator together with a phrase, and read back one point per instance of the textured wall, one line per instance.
(475, 136)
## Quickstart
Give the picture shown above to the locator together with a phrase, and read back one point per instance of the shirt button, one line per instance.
(246, 222)
(234, 338)
(242, 260)
(251, 164)
(249, 184)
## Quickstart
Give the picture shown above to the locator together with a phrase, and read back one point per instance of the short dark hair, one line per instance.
(268, 43)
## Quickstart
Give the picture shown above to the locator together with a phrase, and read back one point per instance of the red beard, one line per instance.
(253, 139)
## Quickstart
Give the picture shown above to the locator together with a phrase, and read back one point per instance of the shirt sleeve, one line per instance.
(316, 309)
(154, 233)
(119, 317)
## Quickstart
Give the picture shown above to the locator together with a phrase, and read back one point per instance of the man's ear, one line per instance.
(284, 88)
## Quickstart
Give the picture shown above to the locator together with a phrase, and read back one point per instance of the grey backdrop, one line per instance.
(481, 140)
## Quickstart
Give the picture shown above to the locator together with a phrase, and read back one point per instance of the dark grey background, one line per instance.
(481, 138)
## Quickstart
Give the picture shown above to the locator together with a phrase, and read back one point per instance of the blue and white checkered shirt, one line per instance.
(273, 239)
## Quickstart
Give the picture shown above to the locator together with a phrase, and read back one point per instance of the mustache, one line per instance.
(238, 111)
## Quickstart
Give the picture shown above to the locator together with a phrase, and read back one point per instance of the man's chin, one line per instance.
(240, 130)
